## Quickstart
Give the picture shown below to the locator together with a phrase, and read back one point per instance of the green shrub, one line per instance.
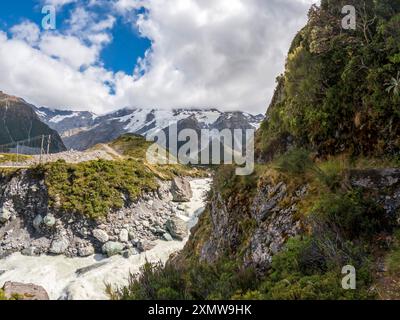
(296, 275)
(295, 162)
(350, 216)
(199, 281)
(96, 187)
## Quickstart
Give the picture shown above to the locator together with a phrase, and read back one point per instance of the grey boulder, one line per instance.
(181, 190)
(113, 248)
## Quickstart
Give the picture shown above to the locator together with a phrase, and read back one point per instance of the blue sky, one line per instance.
(120, 55)
(110, 54)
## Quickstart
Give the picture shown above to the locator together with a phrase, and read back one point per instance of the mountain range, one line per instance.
(81, 130)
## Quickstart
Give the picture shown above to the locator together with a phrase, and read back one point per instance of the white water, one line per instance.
(58, 274)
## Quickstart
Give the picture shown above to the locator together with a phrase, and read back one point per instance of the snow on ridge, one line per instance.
(59, 118)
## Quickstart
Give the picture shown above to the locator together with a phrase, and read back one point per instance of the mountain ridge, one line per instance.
(81, 130)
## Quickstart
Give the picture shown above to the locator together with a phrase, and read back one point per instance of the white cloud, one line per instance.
(204, 53)
(33, 75)
(69, 50)
(26, 31)
(58, 3)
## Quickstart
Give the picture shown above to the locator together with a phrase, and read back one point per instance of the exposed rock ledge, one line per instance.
(29, 226)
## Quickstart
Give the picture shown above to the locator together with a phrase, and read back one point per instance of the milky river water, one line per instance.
(57, 274)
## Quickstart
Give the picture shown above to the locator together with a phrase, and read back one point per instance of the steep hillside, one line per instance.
(20, 122)
(340, 90)
(325, 193)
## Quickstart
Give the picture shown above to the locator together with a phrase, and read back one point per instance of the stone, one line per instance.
(132, 235)
(112, 248)
(5, 215)
(167, 237)
(145, 245)
(177, 228)
(129, 253)
(37, 222)
(86, 251)
(59, 245)
(24, 291)
(49, 220)
(100, 235)
(30, 252)
(124, 235)
(181, 190)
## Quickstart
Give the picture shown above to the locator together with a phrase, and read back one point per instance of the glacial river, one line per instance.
(58, 275)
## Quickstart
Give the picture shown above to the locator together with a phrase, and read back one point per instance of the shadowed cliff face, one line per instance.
(18, 121)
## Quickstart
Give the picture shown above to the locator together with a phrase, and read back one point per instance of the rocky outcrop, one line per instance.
(29, 225)
(20, 291)
(272, 216)
(181, 190)
(382, 185)
(270, 224)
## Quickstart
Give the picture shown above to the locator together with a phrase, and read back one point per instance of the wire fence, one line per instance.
(33, 146)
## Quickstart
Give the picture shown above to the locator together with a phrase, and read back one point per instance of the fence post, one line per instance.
(41, 148)
(48, 144)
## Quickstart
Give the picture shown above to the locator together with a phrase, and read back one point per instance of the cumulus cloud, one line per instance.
(42, 80)
(26, 31)
(204, 53)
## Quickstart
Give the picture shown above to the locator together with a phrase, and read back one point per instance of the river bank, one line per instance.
(86, 278)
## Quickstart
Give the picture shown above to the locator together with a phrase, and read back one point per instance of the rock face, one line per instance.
(272, 225)
(270, 215)
(28, 222)
(24, 291)
(181, 190)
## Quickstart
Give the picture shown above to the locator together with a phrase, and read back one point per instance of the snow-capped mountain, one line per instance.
(81, 130)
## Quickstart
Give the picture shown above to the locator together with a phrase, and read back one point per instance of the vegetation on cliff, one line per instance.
(340, 90)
